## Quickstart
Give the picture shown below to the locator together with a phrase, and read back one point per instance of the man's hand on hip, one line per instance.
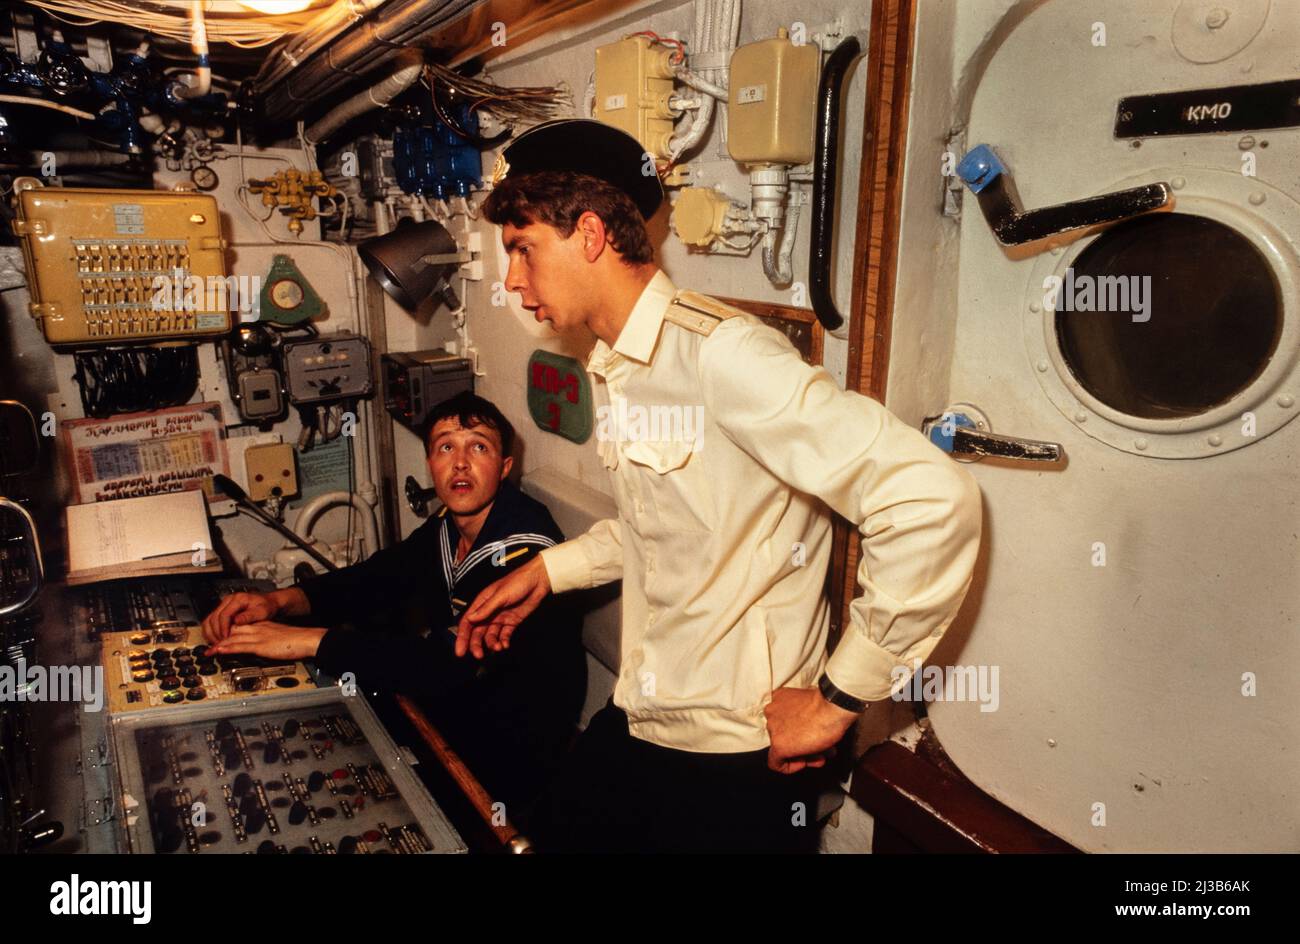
(804, 729)
(497, 612)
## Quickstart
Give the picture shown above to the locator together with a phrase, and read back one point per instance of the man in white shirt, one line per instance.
(725, 698)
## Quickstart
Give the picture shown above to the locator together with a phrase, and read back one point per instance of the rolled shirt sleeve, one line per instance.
(588, 560)
(918, 512)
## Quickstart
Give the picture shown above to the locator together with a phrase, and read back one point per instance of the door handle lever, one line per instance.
(961, 436)
(987, 177)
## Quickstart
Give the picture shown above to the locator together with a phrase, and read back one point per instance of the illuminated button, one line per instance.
(173, 698)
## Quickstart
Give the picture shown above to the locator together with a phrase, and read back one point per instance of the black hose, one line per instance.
(825, 176)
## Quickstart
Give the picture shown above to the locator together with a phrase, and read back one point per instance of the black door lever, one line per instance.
(984, 173)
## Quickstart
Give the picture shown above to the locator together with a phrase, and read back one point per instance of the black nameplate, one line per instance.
(1210, 111)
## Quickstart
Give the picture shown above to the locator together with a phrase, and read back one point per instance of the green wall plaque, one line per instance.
(559, 395)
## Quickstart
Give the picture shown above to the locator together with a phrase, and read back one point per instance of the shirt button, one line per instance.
(640, 507)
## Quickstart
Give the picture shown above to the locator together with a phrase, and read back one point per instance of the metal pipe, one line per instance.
(377, 96)
(825, 177)
(307, 515)
(371, 42)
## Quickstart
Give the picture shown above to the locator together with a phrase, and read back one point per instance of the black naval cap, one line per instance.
(586, 146)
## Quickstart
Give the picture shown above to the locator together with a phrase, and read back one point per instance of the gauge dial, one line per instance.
(287, 294)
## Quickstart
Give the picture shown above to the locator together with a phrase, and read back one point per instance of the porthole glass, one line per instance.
(1168, 315)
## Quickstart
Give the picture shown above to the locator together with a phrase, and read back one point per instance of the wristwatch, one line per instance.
(838, 698)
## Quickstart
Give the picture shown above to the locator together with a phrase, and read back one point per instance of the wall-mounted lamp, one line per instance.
(415, 262)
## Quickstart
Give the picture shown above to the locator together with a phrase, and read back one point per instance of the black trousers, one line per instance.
(617, 793)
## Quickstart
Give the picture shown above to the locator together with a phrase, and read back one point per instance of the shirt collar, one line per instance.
(637, 339)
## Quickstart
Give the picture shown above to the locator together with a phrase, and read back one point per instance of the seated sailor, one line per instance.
(393, 617)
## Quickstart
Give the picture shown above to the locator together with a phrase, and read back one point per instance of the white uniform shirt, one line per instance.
(723, 540)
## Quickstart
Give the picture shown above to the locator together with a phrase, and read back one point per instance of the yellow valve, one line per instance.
(291, 192)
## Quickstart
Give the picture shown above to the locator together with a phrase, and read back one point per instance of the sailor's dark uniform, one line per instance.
(511, 716)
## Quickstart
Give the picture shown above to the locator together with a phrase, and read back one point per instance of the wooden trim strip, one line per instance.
(938, 811)
(875, 252)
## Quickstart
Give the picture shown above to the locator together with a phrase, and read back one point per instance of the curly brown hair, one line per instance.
(559, 197)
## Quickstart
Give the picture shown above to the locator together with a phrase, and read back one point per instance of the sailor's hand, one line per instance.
(500, 608)
(804, 729)
(238, 609)
(270, 641)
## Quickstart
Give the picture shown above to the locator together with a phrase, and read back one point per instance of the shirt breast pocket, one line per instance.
(673, 483)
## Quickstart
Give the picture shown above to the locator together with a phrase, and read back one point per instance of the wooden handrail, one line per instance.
(479, 798)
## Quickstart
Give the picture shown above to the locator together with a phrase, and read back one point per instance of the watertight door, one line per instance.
(1137, 598)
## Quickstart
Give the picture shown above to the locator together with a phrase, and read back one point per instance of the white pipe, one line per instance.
(307, 515)
(199, 41)
(687, 77)
(42, 103)
(376, 96)
(777, 261)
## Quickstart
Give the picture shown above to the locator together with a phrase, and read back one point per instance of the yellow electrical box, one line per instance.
(270, 471)
(699, 215)
(634, 82)
(772, 101)
(115, 266)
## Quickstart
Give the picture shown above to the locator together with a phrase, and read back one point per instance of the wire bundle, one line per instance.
(246, 29)
(509, 106)
(131, 380)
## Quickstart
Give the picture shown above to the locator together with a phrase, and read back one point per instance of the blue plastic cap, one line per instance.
(980, 167)
(943, 432)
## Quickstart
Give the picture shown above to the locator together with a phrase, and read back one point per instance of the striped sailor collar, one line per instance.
(503, 534)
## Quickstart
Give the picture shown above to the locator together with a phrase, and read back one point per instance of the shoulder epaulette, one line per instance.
(698, 313)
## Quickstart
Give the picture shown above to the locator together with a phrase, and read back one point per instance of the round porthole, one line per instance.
(1168, 316)
(1174, 335)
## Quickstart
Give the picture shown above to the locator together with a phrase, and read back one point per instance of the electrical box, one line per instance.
(270, 471)
(114, 266)
(699, 216)
(416, 382)
(772, 101)
(256, 384)
(327, 369)
(633, 85)
(258, 395)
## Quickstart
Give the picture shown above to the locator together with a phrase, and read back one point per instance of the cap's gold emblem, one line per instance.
(500, 169)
